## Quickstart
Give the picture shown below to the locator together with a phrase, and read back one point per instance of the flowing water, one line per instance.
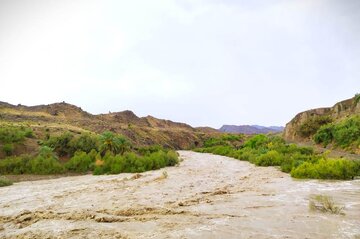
(206, 196)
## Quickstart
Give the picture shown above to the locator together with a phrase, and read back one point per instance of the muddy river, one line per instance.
(206, 196)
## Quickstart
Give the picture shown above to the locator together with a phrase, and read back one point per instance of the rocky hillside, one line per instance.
(305, 124)
(250, 129)
(60, 117)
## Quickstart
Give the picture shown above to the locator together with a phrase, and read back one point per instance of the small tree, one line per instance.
(116, 144)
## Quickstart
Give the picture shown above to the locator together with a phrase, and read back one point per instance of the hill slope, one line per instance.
(337, 112)
(338, 125)
(59, 117)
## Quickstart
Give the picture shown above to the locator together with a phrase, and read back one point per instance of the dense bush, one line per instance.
(146, 150)
(301, 162)
(326, 169)
(85, 142)
(61, 144)
(256, 141)
(14, 134)
(245, 154)
(294, 160)
(8, 149)
(46, 162)
(312, 124)
(343, 134)
(226, 139)
(270, 158)
(15, 165)
(113, 156)
(324, 135)
(347, 132)
(67, 144)
(81, 162)
(132, 163)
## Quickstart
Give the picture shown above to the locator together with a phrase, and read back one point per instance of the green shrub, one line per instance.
(14, 134)
(347, 132)
(214, 142)
(8, 149)
(86, 142)
(326, 169)
(5, 181)
(222, 150)
(67, 144)
(146, 150)
(61, 144)
(81, 162)
(45, 163)
(312, 124)
(172, 158)
(133, 163)
(224, 140)
(294, 160)
(28, 132)
(246, 154)
(301, 162)
(15, 165)
(324, 135)
(271, 158)
(257, 141)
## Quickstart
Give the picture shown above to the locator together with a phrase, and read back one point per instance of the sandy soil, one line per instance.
(206, 196)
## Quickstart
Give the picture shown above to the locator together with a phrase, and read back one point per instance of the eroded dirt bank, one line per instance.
(207, 196)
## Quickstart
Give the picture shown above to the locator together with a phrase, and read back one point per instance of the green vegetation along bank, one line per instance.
(107, 153)
(344, 134)
(300, 162)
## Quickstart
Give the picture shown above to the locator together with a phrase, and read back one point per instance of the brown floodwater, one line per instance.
(206, 196)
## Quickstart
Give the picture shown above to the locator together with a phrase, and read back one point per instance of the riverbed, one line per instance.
(205, 196)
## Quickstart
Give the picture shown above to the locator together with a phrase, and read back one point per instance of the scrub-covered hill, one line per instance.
(336, 127)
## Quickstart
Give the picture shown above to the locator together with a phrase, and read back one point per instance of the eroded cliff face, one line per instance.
(339, 111)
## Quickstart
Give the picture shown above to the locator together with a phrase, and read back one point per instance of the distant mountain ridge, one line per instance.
(250, 129)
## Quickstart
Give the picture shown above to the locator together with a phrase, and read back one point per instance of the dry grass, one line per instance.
(325, 204)
(163, 176)
(99, 162)
(136, 176)
(25, 113)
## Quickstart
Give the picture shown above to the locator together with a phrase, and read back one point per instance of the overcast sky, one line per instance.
(206, 63)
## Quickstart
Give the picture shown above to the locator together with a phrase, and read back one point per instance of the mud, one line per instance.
(206, 196)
